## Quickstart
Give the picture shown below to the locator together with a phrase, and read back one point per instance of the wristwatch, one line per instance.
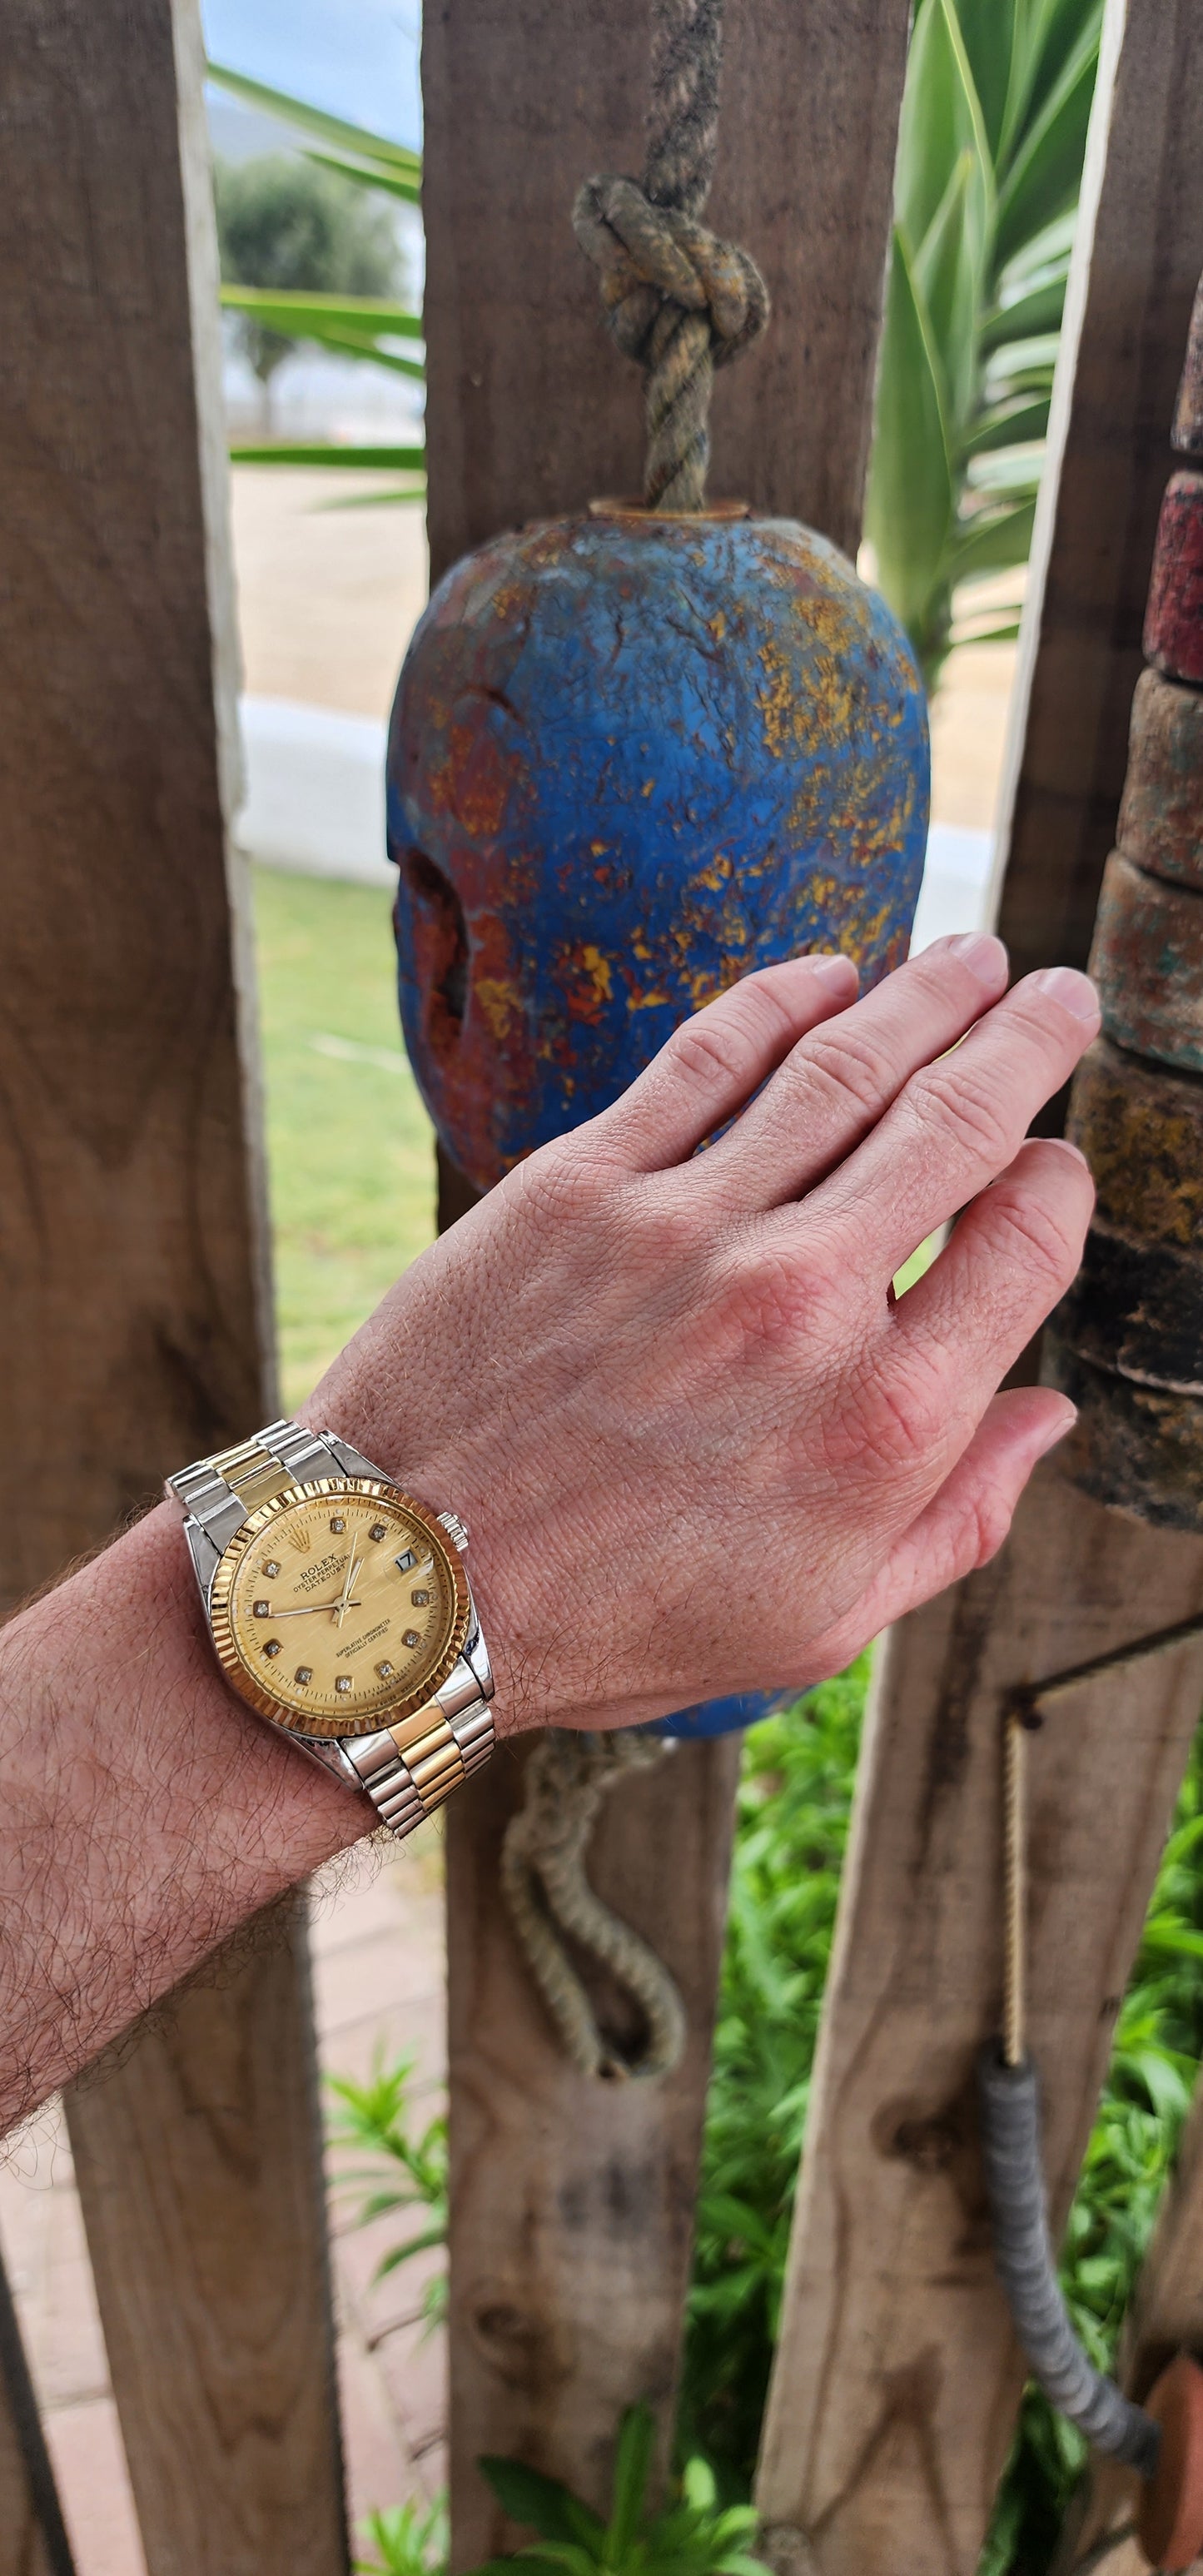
(339, 1608)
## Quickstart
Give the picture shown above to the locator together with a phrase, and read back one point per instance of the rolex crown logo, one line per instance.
(300, 1536)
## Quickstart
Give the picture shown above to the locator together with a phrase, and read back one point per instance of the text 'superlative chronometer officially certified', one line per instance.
(340, 1609)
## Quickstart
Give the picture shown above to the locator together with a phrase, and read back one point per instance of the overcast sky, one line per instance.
(358, 58)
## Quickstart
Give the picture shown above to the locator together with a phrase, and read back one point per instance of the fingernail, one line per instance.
(1057, 1430)
(1064, 1146)
(833, 968)
(1074, 992)
(985, 957)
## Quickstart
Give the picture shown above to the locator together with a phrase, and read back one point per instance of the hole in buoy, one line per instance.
(440, 939)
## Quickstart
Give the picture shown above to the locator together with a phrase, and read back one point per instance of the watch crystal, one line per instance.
(379, 1602)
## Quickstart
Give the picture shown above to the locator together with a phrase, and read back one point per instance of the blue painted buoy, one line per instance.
(632, 757)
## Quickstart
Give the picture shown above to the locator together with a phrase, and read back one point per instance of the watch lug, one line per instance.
(476, 1656)
(205, 1555)
(327, 1752)
(352, 1461)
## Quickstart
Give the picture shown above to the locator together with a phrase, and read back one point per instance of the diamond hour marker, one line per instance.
(272, 1647)
(303, 1674)
(263, 1610)
(411, 1638)
(378, 1531)
(271, 1569)
(338, 1526)
(419, 1599)
(384, 1670)
(343, 1683)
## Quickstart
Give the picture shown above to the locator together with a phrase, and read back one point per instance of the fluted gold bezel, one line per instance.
(384, 1711)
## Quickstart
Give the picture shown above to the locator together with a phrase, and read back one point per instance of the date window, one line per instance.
(405, 1560)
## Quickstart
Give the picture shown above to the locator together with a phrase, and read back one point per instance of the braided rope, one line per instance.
(547, 1894)
(677, 299)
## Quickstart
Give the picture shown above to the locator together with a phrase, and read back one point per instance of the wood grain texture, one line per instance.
(531, 411)
(22, 2548)
(33, 2541)
(198, 2161)
(134, 1275)
(133, 1247)
(571, 2205)
(897, 2376)
(1136, 267)
(572, 2200)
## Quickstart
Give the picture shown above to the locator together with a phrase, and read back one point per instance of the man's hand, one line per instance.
(700, 1447)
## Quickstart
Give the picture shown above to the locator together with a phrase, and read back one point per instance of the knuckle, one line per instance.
(850, 1062)
(897, 1410)
(568, 1181)
(989, 1520)
(775, 1301)
(719, 1047)
(1036, 1235)
(956, 1107)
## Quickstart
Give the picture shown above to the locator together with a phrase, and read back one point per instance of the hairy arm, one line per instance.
(644, 1375)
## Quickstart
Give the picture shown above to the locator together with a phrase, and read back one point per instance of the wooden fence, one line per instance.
(131, 1161)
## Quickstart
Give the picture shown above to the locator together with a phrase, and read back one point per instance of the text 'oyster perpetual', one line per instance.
(339, 1608)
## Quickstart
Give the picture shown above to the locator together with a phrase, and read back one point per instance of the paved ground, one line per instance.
(328, 598)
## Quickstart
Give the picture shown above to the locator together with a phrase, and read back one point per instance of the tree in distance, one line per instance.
(284, 222)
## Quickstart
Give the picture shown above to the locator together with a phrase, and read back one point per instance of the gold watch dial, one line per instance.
(339, 1607)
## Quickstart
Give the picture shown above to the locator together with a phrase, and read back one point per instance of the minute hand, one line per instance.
(307, 1609)
(343, 1604)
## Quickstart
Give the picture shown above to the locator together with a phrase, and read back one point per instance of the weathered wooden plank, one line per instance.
(1127, 315)
(33, 2541)
(572, 2199)
(135, 1275)
(199, 2170)
(570, 2204)
(897, 2378)
(897, 2375)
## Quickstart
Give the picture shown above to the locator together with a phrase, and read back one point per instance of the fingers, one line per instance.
(1006, 1263)
(959, 1121)
(835, 1083)
(965, 1523)
(715, 1061)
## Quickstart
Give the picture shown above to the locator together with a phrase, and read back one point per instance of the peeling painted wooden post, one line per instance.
(897, 2377)
(571, 2205)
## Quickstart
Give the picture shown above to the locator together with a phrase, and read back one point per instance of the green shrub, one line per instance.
(691, 2535)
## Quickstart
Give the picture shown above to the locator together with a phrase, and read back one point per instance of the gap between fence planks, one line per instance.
(897, 2378)
(135, 1281)
(572, 2207)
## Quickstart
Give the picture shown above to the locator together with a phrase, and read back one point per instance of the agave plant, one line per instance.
(352, 326)
(691, 2535)
(990, 153)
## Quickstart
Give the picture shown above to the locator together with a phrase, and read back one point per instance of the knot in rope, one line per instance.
(677, 299)
(548, 1894)
(681, 303)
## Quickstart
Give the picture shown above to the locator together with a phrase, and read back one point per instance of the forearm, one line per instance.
(145, 1812)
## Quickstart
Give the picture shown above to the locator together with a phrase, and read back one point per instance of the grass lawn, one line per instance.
(350, 1147)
